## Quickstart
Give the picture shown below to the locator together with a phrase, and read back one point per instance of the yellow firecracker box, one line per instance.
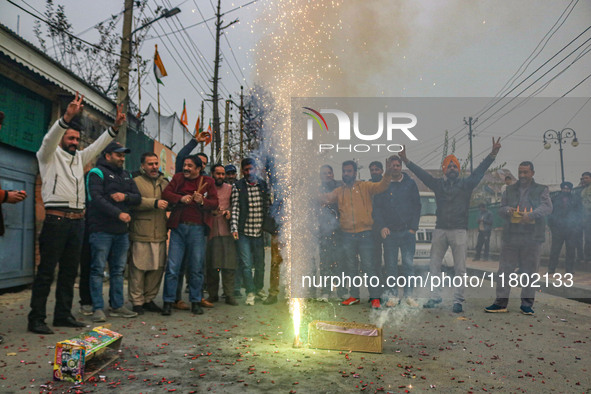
(72, 356)
(356, 337)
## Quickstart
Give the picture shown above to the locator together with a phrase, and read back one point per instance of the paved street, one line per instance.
(242, 348)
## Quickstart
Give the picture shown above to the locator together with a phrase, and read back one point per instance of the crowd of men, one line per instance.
(110, 219)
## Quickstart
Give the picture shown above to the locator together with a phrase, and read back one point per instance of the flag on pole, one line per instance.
(159, 70)
(197, 127)
(184, 120)
(208, 135)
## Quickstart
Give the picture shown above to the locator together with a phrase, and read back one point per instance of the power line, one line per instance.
(204, 21)
(64, 31)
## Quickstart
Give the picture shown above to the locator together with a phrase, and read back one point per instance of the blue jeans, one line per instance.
(252, 255)
(187, 240)
(359, 243)
(112, 248)
(406, 242)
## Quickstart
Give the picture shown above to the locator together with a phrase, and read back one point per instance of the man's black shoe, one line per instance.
(213, 298)
(167, 309)
(68, 322)
(457, 308)
(196, 308)
(231, 301)
(138, 309)
(39, 327)
(432, 303)
(272, 299)
(152, 307)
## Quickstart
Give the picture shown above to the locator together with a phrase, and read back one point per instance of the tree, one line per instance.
(98, 67)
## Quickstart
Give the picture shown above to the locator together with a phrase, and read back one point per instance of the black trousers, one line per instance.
(560, 237)
(84, 284)
(60, 242)
(483, 240)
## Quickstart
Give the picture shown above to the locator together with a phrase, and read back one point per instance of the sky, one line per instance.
(379, 48)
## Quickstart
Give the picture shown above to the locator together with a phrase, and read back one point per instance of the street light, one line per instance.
(165, 14)
(560, 137)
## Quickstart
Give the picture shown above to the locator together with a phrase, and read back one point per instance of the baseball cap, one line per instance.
(116, 147)
(230, 168)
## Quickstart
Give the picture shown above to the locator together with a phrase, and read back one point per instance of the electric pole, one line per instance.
(241, 122)
(227, 132)
(216, 141)
(202, 123)
(124, 63)
(469, 123)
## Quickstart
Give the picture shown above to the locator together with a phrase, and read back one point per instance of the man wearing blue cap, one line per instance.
(112, 192)
(231, 174)
(564, 222)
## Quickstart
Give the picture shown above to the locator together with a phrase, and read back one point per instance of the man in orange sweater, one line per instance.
(354, 200)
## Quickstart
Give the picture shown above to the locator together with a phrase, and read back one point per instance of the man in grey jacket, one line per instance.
(61, 165)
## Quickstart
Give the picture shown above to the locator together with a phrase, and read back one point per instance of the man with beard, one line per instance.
(231, 174)
(250, 202)
(564, 223)
(61, 166)
(376, 171)
(354, 200)
(221, 247)
(112, 193)
(524, 206)
(148, 234)
(329, 231)
(452, 196)
(194, 196)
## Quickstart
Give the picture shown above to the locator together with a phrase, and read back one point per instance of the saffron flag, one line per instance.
(208, 135)
(197, 127)
(184, 120)
(159, 70)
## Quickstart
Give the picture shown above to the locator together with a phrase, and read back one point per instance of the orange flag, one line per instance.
(184, 120)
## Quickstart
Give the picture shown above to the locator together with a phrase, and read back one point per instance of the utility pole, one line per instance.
(227, 132)
(241, 122)
(469, 123)
(216, 140)
(124, 63)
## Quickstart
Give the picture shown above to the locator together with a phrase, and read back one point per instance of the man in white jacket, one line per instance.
(61, 165)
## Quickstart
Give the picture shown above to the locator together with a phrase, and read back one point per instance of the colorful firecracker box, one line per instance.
(356, 337)
(73, 354)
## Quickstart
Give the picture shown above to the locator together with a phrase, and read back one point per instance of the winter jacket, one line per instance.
(452, 196)
(355, 203)
(172, 194)
(148, 223)
(399, 207)
(103, 211)
(566, 215)
(62, 173)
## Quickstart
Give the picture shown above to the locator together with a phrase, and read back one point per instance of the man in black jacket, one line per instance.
(564, 222)
(452, 196)
(112, 192)
(396, 214)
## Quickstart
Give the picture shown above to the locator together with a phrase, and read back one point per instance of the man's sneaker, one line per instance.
(249, 299)
(350, 301)
(261, 294)
(494, 308)
(152, 307)
(138, 309)
(432, 303)
(457, 308)
(122, 312)
(375, 304)
(99, 316)
(411, 302)
(196, 308)
(392, 302)
(272, 299)
(86, 310)
(526, 310)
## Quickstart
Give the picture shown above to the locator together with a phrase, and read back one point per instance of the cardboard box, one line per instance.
(357, 337)
(73, 356)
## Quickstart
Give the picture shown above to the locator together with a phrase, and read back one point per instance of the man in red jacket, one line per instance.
(195, 197)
